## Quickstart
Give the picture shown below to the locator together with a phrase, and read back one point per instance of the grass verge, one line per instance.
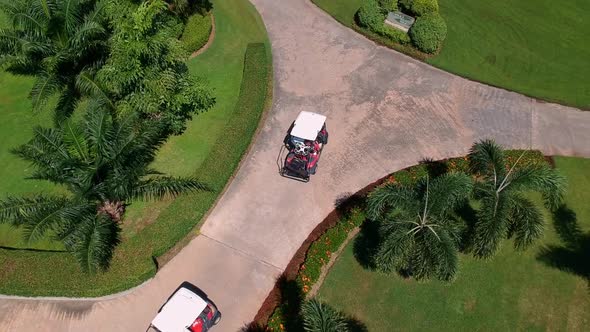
(238, 66)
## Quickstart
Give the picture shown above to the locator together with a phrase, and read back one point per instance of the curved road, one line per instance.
(386, 111)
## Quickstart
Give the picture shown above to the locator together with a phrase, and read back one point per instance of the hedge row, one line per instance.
(134, 259)
(320, 251)
(196, 31)
(427, 34)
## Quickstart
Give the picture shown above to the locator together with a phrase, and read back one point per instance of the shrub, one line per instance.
(395, 35)
(405, 5)
(196, 32)
(371, 16)
(423, 7)
(428, 33)
(388, 5)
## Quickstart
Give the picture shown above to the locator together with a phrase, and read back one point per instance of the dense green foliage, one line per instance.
(545, 287)
(146, 72)
(417, 234)
(196, 32)
(186, 8)
(428, 32)
(55, 42)
(505, 211)
(424, 7)
(395, 35)
(533, 47)
(388, 5)
(150, 230)
(370, 15)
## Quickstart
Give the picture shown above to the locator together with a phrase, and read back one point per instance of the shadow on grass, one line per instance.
(355, 325)
(573, 256)
(366, 244)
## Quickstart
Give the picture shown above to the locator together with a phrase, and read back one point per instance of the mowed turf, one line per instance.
(512, 291)
(535, 47)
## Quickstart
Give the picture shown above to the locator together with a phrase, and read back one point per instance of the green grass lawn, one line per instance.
(536, 47)
(512, 291)
(205, 150)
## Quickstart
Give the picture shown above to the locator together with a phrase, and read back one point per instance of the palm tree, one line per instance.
(319, 317)
(54, 41)
(103, 164)
(417, 234)
(505, 211)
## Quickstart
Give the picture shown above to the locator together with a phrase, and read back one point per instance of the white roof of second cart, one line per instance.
(308, 125)
(179, 312)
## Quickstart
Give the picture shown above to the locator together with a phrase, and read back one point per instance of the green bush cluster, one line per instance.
(395, 35)
(428, 32)
(371, 16)
(424, 7)
(388, 5)
(196, 32)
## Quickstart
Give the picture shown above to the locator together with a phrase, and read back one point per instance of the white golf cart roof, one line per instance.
(179, 312)
(308, 125)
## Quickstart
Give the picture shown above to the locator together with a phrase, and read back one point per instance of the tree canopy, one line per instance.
(54, 41)
(417, 234)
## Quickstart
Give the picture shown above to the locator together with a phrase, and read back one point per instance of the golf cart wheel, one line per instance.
(217, 318)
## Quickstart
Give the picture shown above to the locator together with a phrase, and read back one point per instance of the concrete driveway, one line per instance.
(385, 112)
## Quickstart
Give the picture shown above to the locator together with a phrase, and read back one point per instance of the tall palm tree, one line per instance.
(417, 234)
(505, 211)
(319, 317)
(54, 41)
(103, 164)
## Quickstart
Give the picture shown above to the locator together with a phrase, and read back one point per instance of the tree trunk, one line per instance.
(113, 209)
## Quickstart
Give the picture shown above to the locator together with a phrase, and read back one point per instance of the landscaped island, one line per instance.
(237, 68)
(385, 278)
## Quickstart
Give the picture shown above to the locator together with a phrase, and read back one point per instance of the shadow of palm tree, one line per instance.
(366, 244)
(291, 301)
(574, 255)
(355, 325)
(435, 168)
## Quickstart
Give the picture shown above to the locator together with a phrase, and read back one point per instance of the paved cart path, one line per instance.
(386, 111)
